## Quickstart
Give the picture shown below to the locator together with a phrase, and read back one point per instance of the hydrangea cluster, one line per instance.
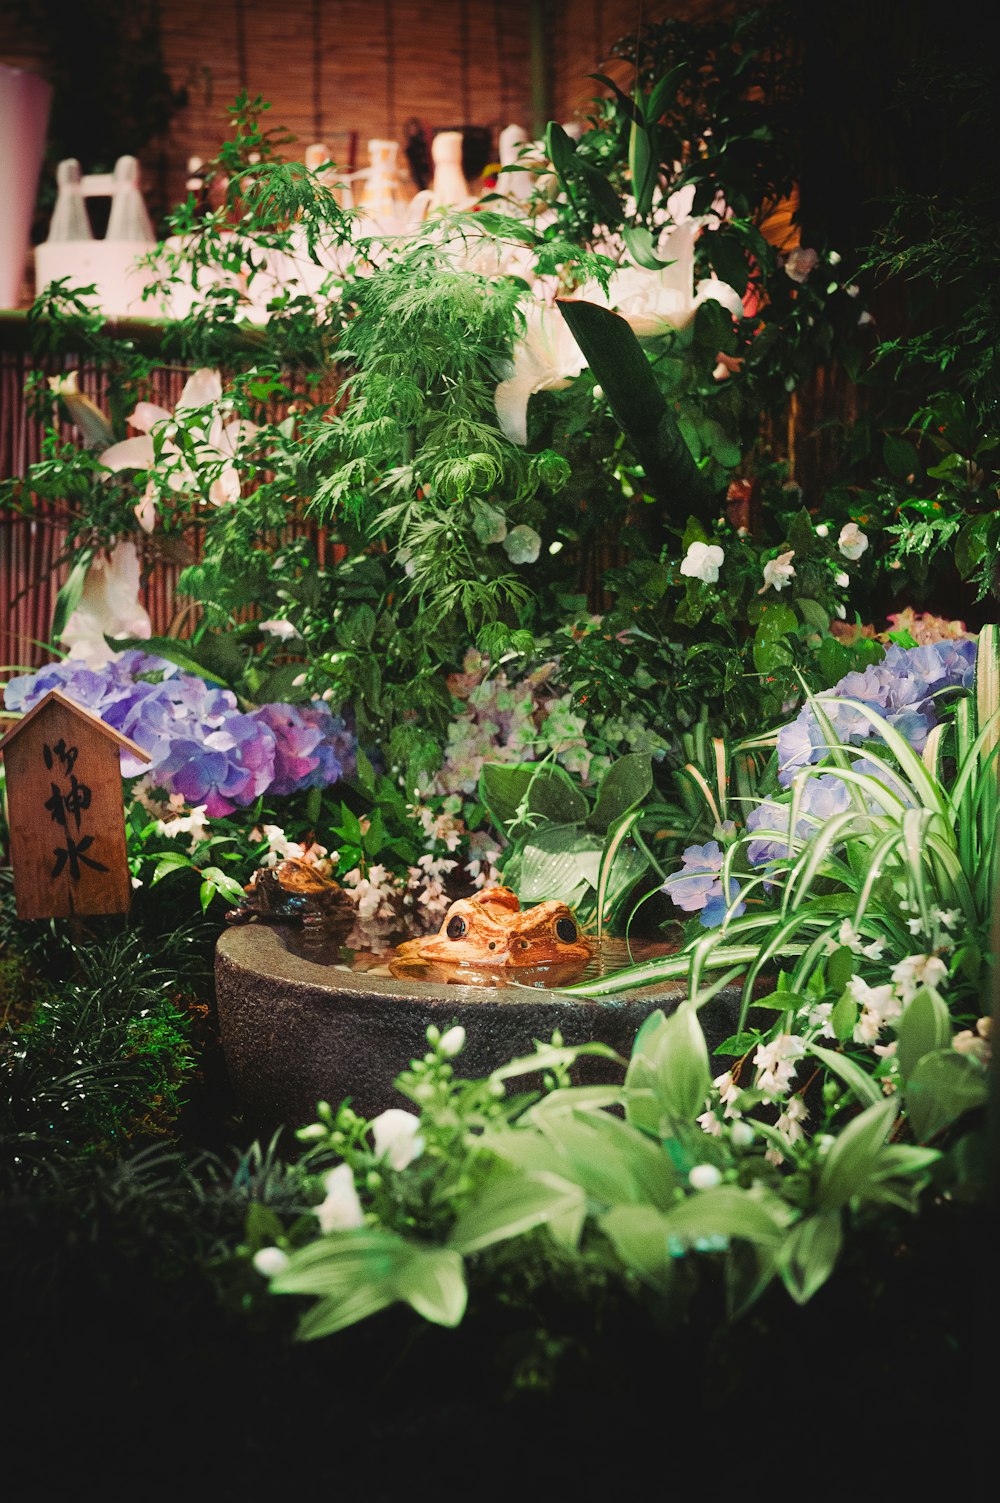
(508, 722)
(902, 689)
(822, 798)
(697, 887)
(202, 748)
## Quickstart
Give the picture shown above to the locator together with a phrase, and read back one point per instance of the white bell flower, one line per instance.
(341, 1210)
(852, 541)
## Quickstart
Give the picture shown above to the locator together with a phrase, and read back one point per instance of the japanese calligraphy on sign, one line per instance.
(65, 812)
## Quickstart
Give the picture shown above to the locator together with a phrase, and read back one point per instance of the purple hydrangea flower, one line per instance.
(225, 769)
(902, 689)
(295, 745)
(697, 887)
(337, 748)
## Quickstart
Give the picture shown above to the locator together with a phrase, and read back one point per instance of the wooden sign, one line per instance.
(66, 812)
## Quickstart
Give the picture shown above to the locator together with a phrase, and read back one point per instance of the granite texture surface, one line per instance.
(296, 1030)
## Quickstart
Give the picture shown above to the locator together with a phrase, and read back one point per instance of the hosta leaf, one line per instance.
(810, 1253)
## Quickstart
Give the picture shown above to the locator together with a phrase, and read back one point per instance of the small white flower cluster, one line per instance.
(397, 1143)
(280, 848)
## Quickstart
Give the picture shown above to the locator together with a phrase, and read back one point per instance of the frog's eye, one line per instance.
(565, 930)
(456, 927)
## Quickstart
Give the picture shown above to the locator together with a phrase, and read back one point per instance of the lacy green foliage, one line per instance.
(416, 454)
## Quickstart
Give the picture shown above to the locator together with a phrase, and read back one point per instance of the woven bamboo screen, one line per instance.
(583, 32)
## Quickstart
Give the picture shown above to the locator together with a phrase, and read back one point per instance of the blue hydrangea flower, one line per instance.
(902, 689)
(822, 798)
(697, 887)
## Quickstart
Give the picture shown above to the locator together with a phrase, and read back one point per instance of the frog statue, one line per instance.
(492, 930)
(293, 891)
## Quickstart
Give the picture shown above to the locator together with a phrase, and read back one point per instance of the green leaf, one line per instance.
(850, 1073)
(223, 884)
(810, 1253)
(849, 1163)
(70, 594)
(279, 687)
(728, 1211)
(623, 787)
(840, 967)
(180, 653)
(669, 1062)
(638, 1236)
(941, 1089)
(844, 1017)
(544, 789)
(619, 364)
(643, 169)
(508, 1205)
(640, 245)
(901, 458)
(432, 1281)
(170, 861)
(924, 1028)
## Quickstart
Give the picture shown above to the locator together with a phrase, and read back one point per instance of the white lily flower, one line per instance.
(545, 358)
(341, 1210)
(216, 446)
(109, 606)
(397, 1137)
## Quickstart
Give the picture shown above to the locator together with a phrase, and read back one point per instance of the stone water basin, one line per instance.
(303, 1020)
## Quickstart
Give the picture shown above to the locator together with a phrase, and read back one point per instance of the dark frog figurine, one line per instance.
(293, 892)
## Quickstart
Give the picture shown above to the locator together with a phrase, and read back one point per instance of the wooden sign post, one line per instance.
(66, 812)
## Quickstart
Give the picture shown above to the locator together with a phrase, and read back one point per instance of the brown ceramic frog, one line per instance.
(492, 930)
(293, 891)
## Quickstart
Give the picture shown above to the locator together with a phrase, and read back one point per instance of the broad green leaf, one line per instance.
(924, 1028)
(840, 967)
(638, 1236)
(626, 783)
(850, 1161)
(337, 1312)
(70, 594)
(561, 862)
(632, 391)
(279, 686)
(508, 1205)
(673, 1064)
(642, 167)
(810, 1253)
(728, 1211)
(432, 1281)
(641, 246)
(540, 789)
(170, 861)
(942, 1087)
(863, 1086)
(180, 653)
(225, 885)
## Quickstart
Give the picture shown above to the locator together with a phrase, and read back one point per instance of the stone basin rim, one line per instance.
(262, 950)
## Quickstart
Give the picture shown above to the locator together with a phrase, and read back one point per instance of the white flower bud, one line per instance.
(704, 1177)
(270, 1261)
(453, 1041)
